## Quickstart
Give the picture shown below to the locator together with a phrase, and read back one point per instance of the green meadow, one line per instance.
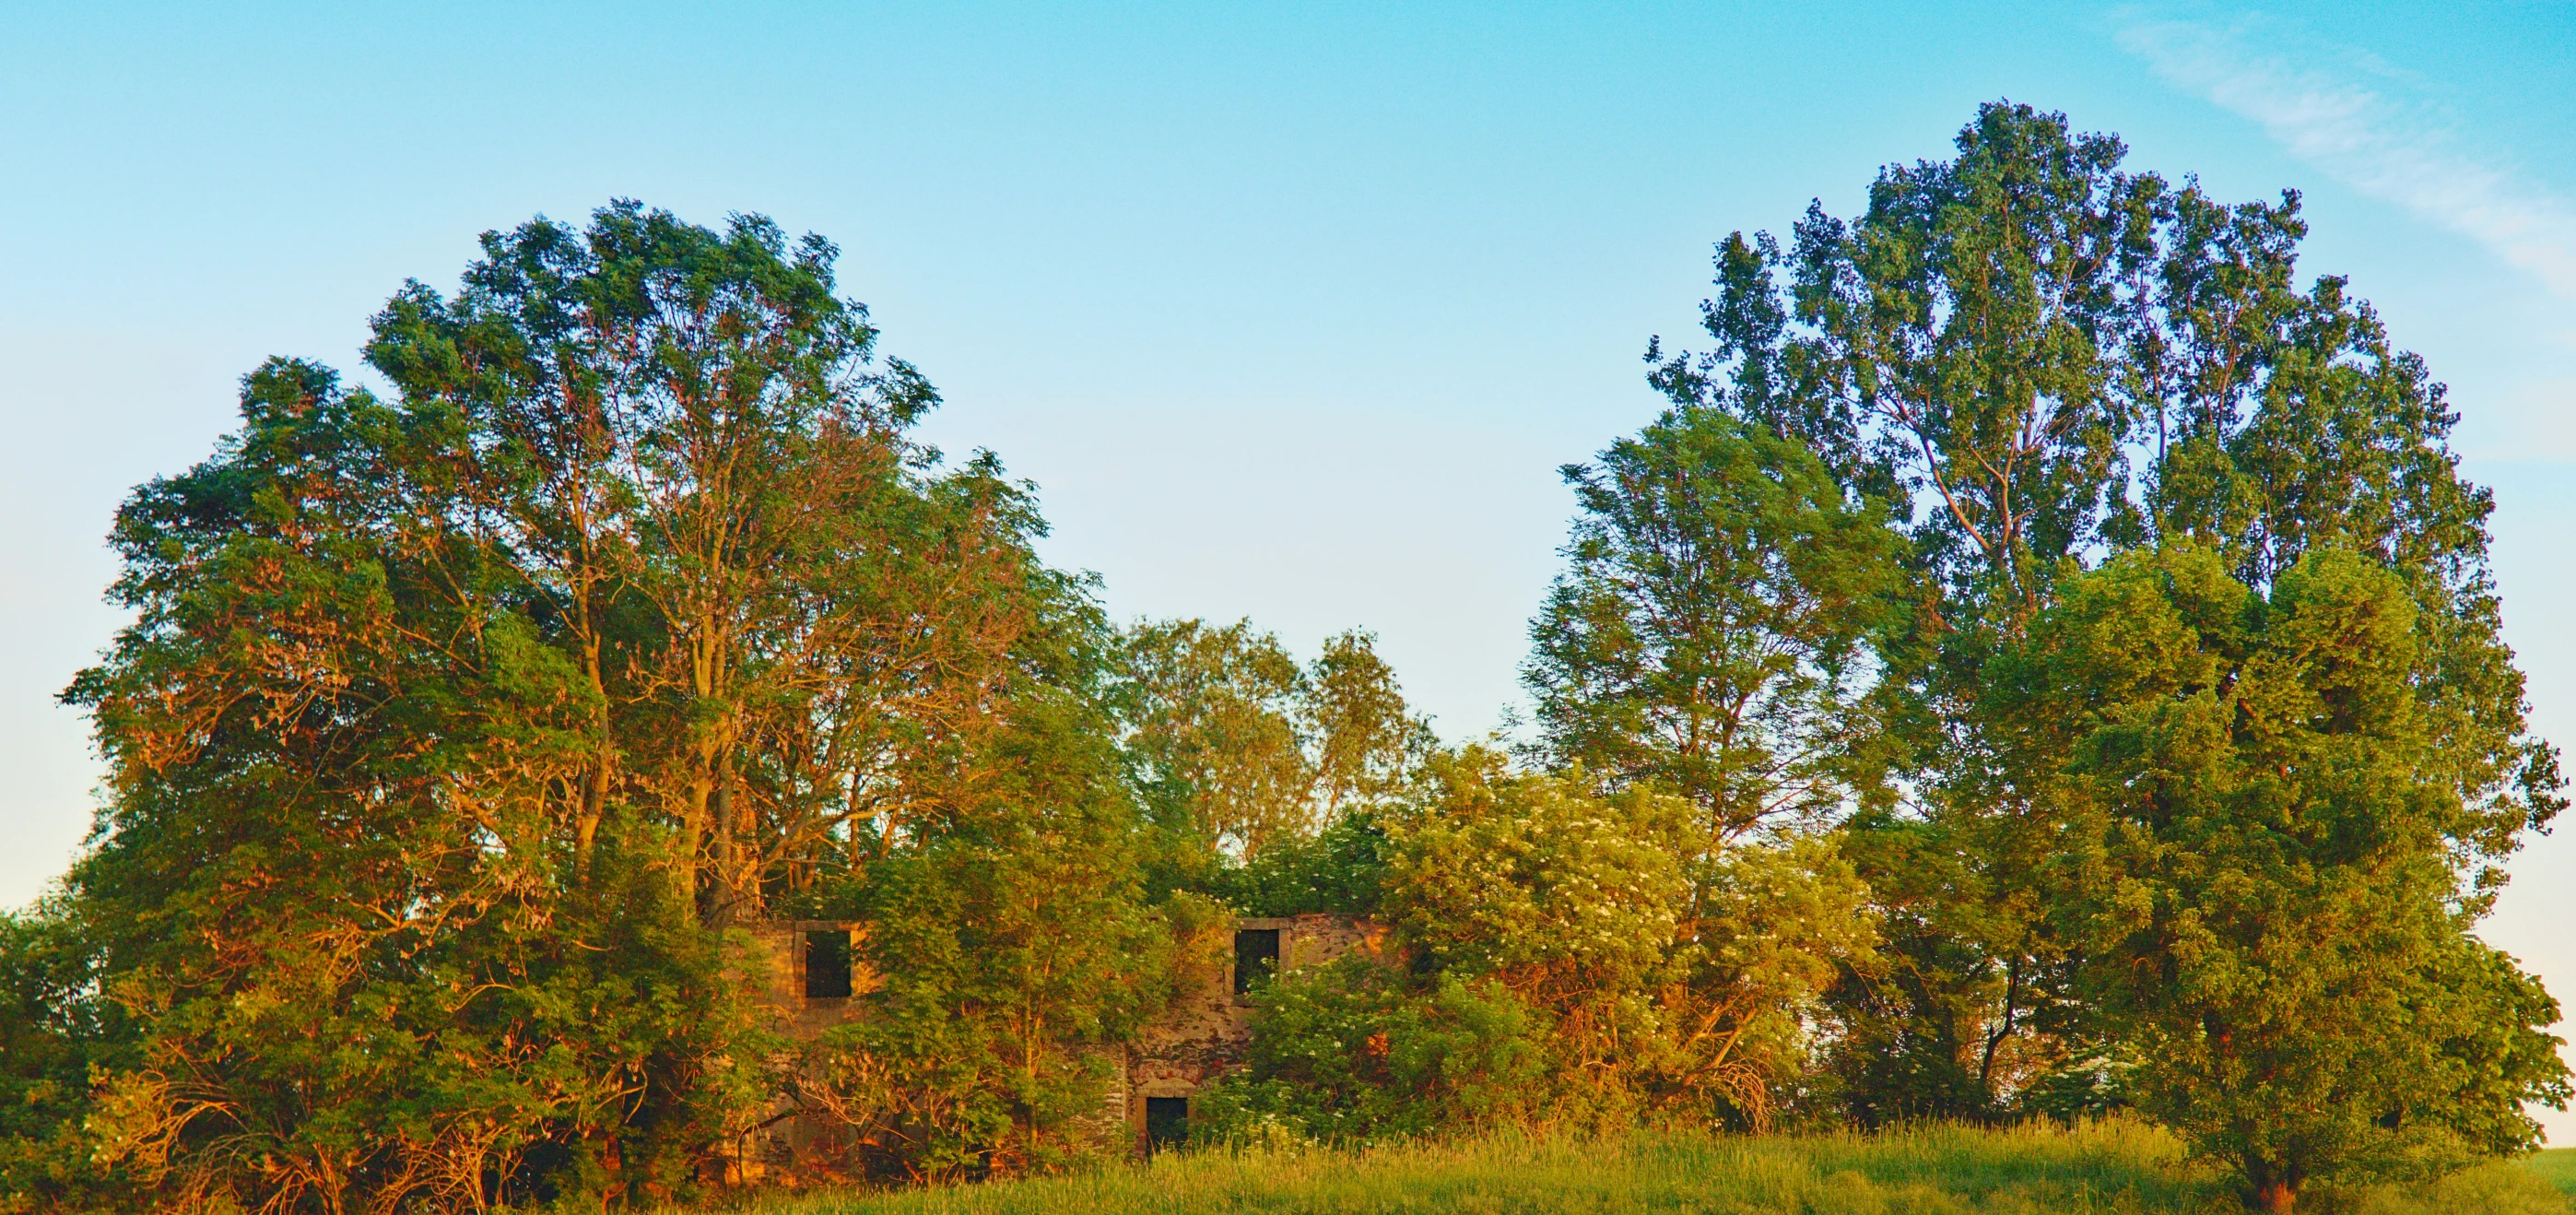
(2110, 1168)
(2558, 1167)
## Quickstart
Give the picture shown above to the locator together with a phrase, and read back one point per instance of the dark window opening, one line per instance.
(1256, 957)
(1167, 1122)
(827, 964)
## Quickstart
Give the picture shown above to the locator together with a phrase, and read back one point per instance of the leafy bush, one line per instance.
(1353, 1052)
(1565, 965)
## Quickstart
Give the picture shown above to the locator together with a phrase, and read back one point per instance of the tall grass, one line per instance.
(2558, 1167)
(2111, 1169)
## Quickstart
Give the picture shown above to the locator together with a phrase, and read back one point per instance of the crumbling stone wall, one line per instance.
(797, 1147)
(1202, 1035)
(1208, 1027)
(775, 969)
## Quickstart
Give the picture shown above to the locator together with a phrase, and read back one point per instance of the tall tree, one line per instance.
(455, 727)
(2050, 360)
(1367, 740)
(679, 434)
(1212, 714)
(2260, 869)
(354, 959)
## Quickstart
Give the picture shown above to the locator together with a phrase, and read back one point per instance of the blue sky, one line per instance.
(1290, 310)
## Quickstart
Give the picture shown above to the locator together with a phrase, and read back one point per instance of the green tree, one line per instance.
(1212, 715)
(456, 728)
(327, 900)
(1244, 758)
(53, 1029)
(1953, 350)
(679, 437)
(2051, 359)
(1342, 868)
(1367, 742)
(2266, 871)
(1709, 636)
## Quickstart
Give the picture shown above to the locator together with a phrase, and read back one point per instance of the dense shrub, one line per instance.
(1356, 1051)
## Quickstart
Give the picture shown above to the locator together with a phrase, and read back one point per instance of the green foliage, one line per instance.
(1535, 877)
(1708, 636)
(784, 623)
(342, 942)
(1571, 964)
(1354, 1052)
(53, 1029)
(1215, 734)
(1342, 868)
(2263, 870)
(2053, 359)
(1973, 1013)
(1368, 744)
(1260, 775)
(456, 729)
(1015, 950)
(1719, 635)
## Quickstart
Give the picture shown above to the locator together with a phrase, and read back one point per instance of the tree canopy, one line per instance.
(2049, 363)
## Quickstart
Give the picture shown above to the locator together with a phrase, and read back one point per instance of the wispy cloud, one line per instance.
(2369, 127)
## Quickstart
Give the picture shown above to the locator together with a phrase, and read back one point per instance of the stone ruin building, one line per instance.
(810, 974)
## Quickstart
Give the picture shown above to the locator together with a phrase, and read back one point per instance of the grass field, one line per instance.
(2117, 1168)
(2558, 1166)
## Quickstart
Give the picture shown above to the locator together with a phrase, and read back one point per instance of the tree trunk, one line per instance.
(594, 784)
(2272, 1186)
(726, 890)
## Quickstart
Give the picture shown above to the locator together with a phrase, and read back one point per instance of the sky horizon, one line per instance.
(1289, 315)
